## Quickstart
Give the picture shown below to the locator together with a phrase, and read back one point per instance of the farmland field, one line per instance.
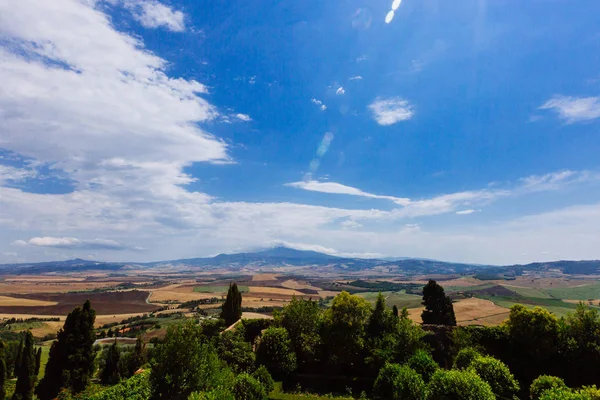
(217, 289)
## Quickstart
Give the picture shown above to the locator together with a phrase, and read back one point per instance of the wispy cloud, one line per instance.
(243, 117)
(153, 14)
(465, 212)
(322, 106)
(337, 188)
(340, 91)
(574, 109)
(73, 243)
(356, 78)
(391, 110)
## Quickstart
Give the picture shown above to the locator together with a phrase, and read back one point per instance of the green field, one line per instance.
(399, 299)
(529, 292)
(591, 291)
(217, 289)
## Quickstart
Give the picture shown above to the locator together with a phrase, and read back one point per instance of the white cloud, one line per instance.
(574, 109)
(391, 110)
(389, 16)
(10, 174)
(340, 91)
(355, 78)
(322, 106)
(73, 243)
(556, 180)
(243, 117)
(337, 188)
(153, 14)
(465, 212)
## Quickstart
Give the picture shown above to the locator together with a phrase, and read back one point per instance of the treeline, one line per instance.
(350, 347)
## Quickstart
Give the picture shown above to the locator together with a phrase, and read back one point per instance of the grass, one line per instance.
(555, 306)
(529, 292)
(44, 361)
(398, 299)
(278, 394)
(591, 291)
(217, 289)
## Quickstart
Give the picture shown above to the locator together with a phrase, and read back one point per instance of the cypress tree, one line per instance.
(438, 307)
(2, 371)
(395, 311)
(38, 360)
(110, 373)
(138, 358)
(71, 361)
(26, 370)
(232, 308)
(380, 321)
(18, 359)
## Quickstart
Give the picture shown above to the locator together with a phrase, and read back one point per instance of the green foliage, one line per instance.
(564, 394)
(237, 353)
(232, 308)
(543, 383)
(464, 357)
(184, 363)
(497, 375)
(110, 373)
(214, 394)
(38, 361)
(396, 382)
(302, 319)
(438, 307)
(344, 329)
(381, 320)
(2, 371)
(534, 331)
(71, 360)
(253, 327)
(135, 388)
(138, 357)
(25, 370)
(458, 385)
(262, 375)
(246, 387)
(424, 364)
(276, 353)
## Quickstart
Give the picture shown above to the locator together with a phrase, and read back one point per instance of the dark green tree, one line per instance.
(302, 319)
(71, 359)
(38, 361)
(237, 353)
(264, 377)
(3, 371)
(497, 375)
(184, 363)
(380, 321)
(275, 352)
(110, 374)
(26, 370)
(18, 359)
(465, 357)
(543, 383)
(438, 307)
(424, 364)
(138, 358)
(458, 385)
(395, 311)
(232, 308)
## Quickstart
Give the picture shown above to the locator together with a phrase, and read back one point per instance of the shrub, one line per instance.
(262, 375)
(246, 387)
(543, 383)
(276, 353)
(497, 375)
(563, 394)
(396, 382)
(423, 363)
(135, 388)
(465, 357)
(458, 385)
(215, 394)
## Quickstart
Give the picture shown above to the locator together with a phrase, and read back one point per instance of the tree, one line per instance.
(138, 358)
(71, 359)
(110, 373)
(396, 382)
(344, 330)
(395, 311)
(276, 353)
(381, 320)
(423, 363)
(235, 352)
(458, 385)
(497, 375)
(543, 383)
(3, 371)
(262, 375)
(246, 387)
(38, 361)
(302, 319)
(438, 307)
(464, 357)
(26, 370)
(184, 363)
(232, 308)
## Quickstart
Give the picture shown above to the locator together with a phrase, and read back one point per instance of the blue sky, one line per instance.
(143, 130)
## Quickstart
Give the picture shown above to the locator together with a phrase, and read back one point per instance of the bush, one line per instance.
(263, 376)
(465, 357)
(497, 375)
(563, 394)
(458, 385)
(276, 353)
(423, 363)
(396, 382)
(543, 383)
(215, 394)
(135, 388)
(246, 387)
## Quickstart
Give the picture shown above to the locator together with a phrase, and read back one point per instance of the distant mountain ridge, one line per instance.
(281, 257)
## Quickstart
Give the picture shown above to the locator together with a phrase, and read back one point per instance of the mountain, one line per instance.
(305, 261)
